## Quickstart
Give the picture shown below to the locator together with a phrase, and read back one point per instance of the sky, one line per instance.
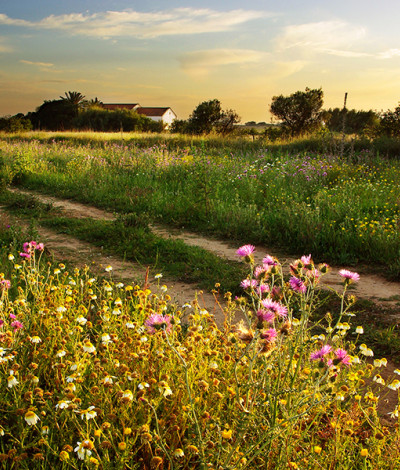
(176, 54)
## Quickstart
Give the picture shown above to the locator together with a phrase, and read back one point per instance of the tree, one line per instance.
(15, 123)
(55, 115)
(204, 116)
(299, 112)
(227, 121)
(356, 122)
(74, 97)
(390, 123)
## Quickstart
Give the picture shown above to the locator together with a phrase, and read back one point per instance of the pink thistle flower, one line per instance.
(261, 271)
(1, 323)
(297, 285)
(274, 307)
(313, 274)
(342, 356)
(262, 289)
(246, 283)
(245, 250)
(157, 322)
(266, 315)
(306, 260)
(40, 246)
(13, 316)
(321, 352)
(269, 335)
(17, 325)
(269, 261)
(5, 284)
(349, 276)
(25, 255)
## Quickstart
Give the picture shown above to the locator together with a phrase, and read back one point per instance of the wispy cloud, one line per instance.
(132, 23)
(389, 54)
(199, 63)
(328, 37)
(37, 64)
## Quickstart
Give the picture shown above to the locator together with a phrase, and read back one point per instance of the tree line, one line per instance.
(296, 114)
(73, 112)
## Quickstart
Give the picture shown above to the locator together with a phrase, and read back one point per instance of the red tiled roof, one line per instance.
(112, 106)
(152, 111)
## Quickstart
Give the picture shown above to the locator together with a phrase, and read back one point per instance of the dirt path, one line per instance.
(372, 287)
(80, 253)
(62, 246)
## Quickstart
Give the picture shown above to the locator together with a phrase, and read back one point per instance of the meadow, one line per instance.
(98, 374)
(101, 374)
(343, 209)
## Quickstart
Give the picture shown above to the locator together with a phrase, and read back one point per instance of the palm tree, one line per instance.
(73, 97)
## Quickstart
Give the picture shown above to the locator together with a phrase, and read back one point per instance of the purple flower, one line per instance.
(245, 250)
(342, 356)
(269, 261)
(260, 271)
(262, 289)
(157, 322)
(274, 307)
(266, 315)
(297, 285)
(5, 284)
(246, 283)
(306, 260)
(349, 276)
(321, 352)
(269, 335)
(17, 325)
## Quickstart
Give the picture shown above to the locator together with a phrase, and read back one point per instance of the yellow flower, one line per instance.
(226, 434)
(64, 456)
(317, 449)
(364, 453)
(122, 446)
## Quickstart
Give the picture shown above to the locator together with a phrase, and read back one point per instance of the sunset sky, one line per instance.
(179, 53)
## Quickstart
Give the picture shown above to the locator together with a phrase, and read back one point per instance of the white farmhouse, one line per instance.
(166, 115)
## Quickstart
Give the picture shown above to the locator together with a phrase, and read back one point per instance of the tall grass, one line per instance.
(343, 209)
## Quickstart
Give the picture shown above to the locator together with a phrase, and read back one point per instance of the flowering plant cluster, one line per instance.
(105, 375)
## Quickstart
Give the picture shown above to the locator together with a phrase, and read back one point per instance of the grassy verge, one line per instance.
(130, 238)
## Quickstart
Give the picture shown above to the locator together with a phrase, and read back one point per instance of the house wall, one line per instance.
(168, 117)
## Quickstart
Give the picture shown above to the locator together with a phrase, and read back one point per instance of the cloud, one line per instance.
(178, 21)
(199, 63)
(332, 37)
(37, 64)
(389, 54)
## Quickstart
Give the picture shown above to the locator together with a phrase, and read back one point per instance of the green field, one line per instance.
(341, 209)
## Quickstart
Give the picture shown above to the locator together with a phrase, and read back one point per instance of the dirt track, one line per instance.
(372, 287)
